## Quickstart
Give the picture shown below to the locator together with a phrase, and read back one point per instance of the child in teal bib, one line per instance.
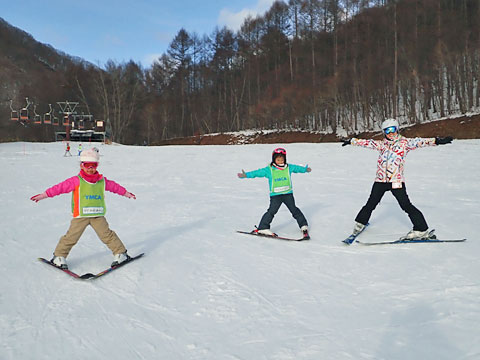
(278, 174)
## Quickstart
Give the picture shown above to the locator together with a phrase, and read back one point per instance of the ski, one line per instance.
(412, 241)
(349, 240)
(430, 238)
(90, 276)
(110, 269)
(268, 236)
(66, 271)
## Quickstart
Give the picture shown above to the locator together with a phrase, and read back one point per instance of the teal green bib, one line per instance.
(88, 200)
(281, 182)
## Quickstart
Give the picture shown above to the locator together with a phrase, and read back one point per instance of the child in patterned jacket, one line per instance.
(389, 177)
(88, 208)
(281, 192)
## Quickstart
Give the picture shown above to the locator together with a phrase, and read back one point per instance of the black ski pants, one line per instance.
(378, 190)
(275, 203)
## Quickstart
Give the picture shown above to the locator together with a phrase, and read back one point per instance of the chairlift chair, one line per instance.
(55, 121)
(14, 115)
(47, 118)
(24, 114)
(66, 121)
(37, 118)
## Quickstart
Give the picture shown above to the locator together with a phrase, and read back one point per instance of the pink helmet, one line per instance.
(278, 152)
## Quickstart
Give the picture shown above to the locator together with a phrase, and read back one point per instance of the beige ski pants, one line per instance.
(78, 226)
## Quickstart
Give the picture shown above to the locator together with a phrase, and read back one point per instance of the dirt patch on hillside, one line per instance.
(465, 127)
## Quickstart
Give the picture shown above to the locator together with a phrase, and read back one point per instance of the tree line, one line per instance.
(319, 65)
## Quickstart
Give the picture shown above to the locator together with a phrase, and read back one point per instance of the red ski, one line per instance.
(88, 276)
(254, 233)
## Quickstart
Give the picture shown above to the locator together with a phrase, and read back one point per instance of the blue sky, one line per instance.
(121, 30)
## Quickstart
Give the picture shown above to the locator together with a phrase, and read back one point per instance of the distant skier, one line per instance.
(67, 150)
(79, 149)
(278, 174)
(393, 150)
(88, 208)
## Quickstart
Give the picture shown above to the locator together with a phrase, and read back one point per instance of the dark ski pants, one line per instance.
(275, 203)
(378, 190)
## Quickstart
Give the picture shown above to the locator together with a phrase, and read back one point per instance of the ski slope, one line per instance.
(203, 291)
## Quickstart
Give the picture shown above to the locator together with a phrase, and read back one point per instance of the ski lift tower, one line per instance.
(67, 108)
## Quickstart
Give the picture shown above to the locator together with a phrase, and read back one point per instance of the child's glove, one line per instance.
(242, 175)
(443, 141)
(130, 195)
(346, 142)
(39, 197)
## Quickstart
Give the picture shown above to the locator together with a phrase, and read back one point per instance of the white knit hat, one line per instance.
(89, 155)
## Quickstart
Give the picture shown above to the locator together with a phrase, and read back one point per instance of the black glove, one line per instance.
(346, 142)
(443, 141)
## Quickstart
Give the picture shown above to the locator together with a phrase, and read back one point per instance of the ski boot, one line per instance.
(304, 229)
(419, 235)
(60, 262)
(120, 258)
(265, 232)
(358, 228)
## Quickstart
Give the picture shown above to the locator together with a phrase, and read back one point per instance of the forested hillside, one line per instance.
(317, 65)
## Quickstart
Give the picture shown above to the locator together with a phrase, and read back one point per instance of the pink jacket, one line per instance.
(69, 185)
(392, 155)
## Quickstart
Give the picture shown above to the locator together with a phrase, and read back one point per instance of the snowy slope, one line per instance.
(204, 292)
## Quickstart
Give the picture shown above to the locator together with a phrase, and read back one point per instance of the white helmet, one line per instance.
(390, 122)
(89, 155)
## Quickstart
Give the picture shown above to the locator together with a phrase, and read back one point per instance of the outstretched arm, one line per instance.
(299, 168)
(366, 143)
(61, 188)
(112, 186)
(263, 172)
(419, 142)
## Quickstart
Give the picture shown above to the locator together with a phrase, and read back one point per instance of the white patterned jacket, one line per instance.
(392, 155)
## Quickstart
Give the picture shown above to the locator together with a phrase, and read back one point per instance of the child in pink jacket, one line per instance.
(88, 208)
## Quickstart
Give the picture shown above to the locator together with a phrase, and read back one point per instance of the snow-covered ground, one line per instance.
(203, 291)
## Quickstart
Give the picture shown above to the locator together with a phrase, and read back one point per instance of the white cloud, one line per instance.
(234, 20)
(149, 59)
